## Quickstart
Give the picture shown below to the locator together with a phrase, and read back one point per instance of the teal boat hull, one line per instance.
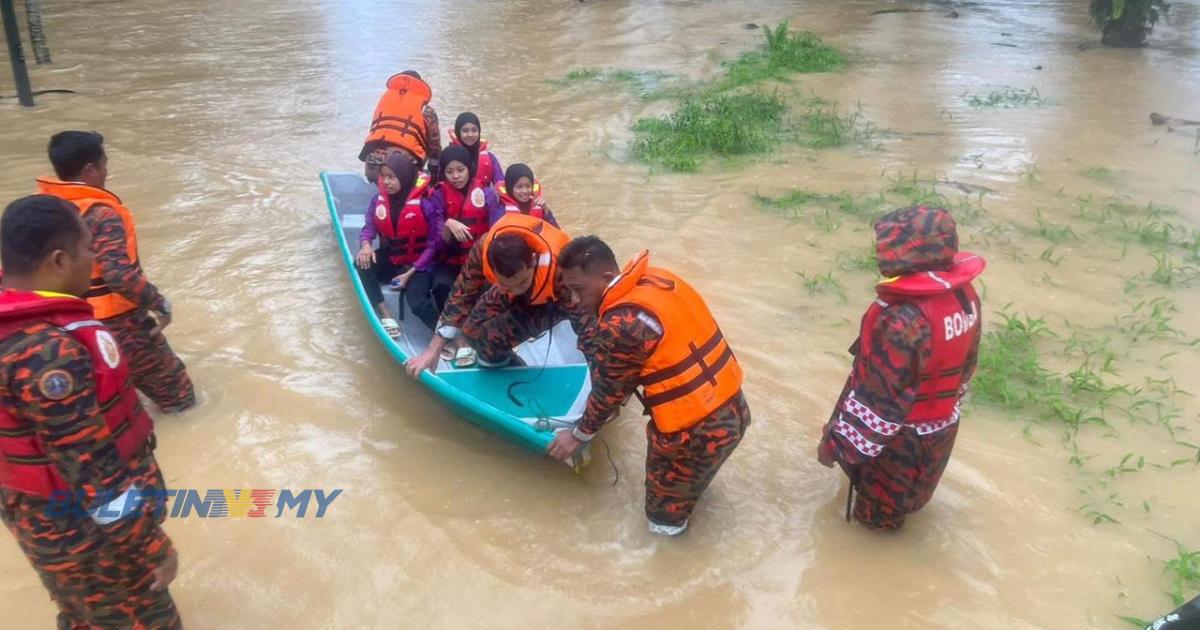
(523, 405)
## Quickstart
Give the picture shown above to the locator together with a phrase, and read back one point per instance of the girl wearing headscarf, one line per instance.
(402, 223)
(521, 192)
(465, 211)
(466, 134)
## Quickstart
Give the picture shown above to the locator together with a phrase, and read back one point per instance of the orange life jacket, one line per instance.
(544, 239)
(23, 463)
(105, 302)
(951, 306)
(484, 170)
(512, 205)
(399, 118)
(403, 232)
(692, 371)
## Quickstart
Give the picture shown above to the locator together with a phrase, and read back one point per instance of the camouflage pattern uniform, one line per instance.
(156, 371)
(99, 576)
(679, 465)
(903, 476)
(492, 322)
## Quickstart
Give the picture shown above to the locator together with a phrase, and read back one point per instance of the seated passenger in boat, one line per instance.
(468, 208)
(402, 223)
(403, 121)
(522, 192)
(466, 134)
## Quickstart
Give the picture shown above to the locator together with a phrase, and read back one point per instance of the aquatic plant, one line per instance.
(1126, 23)
(1099, 173)
(1184, 573)
(1005, 97)
(782, 54)
(824, 126)
(646, 84)
(1010, 373)
(823, 283)
(709, 125)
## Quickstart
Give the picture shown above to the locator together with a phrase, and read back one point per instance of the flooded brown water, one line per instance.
(219, 117)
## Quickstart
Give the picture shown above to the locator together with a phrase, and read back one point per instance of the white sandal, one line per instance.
(391, 327)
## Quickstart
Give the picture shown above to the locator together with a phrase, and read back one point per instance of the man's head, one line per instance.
(514, 263)
(45, 246)
(78, 156)
(588, 266)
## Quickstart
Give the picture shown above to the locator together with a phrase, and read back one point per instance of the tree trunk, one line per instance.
(37, 35)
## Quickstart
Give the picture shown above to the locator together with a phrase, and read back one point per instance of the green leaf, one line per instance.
(1141, 623)
(1118, 9)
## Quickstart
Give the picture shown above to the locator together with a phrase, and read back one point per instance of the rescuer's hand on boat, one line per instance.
(427, 360)
(564, 445)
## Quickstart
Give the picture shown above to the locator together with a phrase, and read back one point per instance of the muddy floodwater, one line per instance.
(219, 115)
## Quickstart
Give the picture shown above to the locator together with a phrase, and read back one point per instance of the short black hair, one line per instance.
(509, 254)
(412, 73)
(588, 254)
(33, 227)
(71, 151)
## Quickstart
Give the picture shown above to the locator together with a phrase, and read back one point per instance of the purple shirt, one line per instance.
(497, 169)
(435, 218)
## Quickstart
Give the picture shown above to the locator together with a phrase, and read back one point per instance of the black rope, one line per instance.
(544, 417)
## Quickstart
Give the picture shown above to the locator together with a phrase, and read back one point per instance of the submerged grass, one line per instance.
(714, 119)
(782, 55)
(1005, 97)
(708, 125)
(825, 126)
(646, 84)
(829, 211)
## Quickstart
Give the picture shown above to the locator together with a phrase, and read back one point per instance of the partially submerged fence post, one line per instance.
(15, 54)
(37, 34)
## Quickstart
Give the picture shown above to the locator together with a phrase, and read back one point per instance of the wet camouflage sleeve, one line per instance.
(122, 275)
(467, 288)
(77, 441)
(886, 383)
(619, 347)
(433, 134)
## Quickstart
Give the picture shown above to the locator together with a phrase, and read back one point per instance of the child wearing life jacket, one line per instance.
(469, 208)
(466, 211)
(521, 192)
(466, 134)
(402, 224)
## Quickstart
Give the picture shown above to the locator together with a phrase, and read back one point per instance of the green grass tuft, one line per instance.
(783, 54)
(709, 125)
(1005, 97)
(647, 84)
(1100, 174)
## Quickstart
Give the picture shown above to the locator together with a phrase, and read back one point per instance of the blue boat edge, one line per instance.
(469, 407)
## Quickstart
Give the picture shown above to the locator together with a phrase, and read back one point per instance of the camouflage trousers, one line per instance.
(681, 465)
(499, 322)
(153, 366)
(92, 576)
(901, 480)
